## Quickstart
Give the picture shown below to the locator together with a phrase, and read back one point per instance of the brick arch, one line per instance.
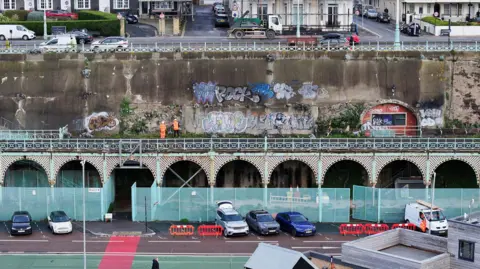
(472, 163)
(202, 161)
(7, 161)
(419, 162)
(391, 101)
(186, 160)
(364, 161)
(254, 160)
(148, 162)
(310, 160)
(91, 160)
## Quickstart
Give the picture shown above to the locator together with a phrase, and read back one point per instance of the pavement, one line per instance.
(203, 26)
(141, 30)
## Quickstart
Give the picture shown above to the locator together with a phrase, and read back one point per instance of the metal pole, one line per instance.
(146, 215)
(84, 232)
(298, 18)
(45, 21)
(397, 26)
(431, 209)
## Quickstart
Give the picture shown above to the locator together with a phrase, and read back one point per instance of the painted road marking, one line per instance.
(251, 241)
(21, 240)
(315, 247)
(326, 241)
(142, 254)
(8, 230)
(99, 241)
(185, 241)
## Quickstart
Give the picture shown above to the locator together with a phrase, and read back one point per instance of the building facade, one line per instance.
(309, 12)
(443, 9)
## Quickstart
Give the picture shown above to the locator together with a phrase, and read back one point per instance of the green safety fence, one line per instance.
(388, 205)
(198, 204)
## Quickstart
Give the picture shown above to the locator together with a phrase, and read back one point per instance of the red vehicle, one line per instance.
(61, 14)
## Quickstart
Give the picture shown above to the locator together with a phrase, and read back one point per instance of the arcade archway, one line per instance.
(25, 173)
(345, 174)
(292, 173)
(70, 175)
(238, 174)
(400, 174)
(186, 174)
(455, 174)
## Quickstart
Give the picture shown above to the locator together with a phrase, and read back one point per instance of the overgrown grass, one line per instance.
(438, 22)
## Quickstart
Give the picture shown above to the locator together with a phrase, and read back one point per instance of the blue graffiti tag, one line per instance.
(262, 89)
(204, 92)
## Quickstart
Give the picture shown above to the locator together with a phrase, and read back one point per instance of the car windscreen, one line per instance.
(60, 219)
(297, 218)
(232, 218)
(435, 216)
(372, 10)
(264, 218)
(21, 219)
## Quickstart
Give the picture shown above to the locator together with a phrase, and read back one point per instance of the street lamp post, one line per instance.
(397, 26)
(298, 18)
(84, 239)
(45, 22)
(431, 208)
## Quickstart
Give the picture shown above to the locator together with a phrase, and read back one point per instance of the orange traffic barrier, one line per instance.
(351, 229)
(179, 230)
(375, 228)
(210, 230)
(408, 226)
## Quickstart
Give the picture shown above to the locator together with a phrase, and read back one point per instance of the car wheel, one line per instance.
(2, 37)
(239, 34)
(25, 37)
(81, 41)
(225, 233)
(294, 233)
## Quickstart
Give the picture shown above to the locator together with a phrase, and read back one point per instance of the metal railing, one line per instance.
(244, 145)
(251, 46)
(29, 134)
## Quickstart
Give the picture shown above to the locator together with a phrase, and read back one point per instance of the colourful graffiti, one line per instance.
(224, 122)
(283, 91)
(262, 89)
(204, 92)
(235, 94)
(101, 121)
(389, 120)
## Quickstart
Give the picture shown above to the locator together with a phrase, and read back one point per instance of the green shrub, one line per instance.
(96, 15)
(438, 22)
(104, 27)
(4, 19)
(35, 16)
(20, 14)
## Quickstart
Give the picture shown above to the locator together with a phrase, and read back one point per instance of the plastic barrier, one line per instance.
(181, 230)
(409, 226)
(375, 228)
(351, 229)
(210, 230)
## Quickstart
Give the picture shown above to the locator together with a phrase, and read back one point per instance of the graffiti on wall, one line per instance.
(431, 117)
(238, 122)
(210, 92)
(389, 117)
(102, 121)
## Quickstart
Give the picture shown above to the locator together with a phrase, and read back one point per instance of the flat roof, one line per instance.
(471, 220)
(409, 252)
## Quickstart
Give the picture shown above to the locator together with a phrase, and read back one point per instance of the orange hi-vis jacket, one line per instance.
(163, 130)
(423, 225)
(175, 125)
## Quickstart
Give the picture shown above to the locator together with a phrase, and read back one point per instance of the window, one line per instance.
(262, 12)
(297, 14)
(82, 4)
(420, 10)
(275, 20)
(459, 9)
(321, 11)
(388, 119)
(162, 5)
(45, 4)
(332, 16)
(411, 8)
(466, 250)
(446, 9)
(121, 4)
(429, 8)
(8, 4)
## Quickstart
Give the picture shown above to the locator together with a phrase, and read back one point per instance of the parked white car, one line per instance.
(59, 43)
(15, 31)
(59, 223)
(231, 221)
(110, 43)
(372, 14)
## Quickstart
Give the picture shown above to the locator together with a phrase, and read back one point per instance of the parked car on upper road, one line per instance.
(216, 4)
(365, 10)
(59, 43)
(129, 17)
(59, 223)
(21, 223)
(372, 13)
(330, 36)
(262, 222)
(334, 43)
(383, 17)
(218, 7)
(221, 19)
(81, 37)
(295, 223)
(110, 43)
(231, 221)
(61, 14)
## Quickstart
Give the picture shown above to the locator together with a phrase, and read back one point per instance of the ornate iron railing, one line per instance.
(252, 46)
(243, 145)
(29, 134)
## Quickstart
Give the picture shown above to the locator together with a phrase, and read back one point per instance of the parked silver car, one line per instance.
(262, 222)
(372, 14)
(231, 221)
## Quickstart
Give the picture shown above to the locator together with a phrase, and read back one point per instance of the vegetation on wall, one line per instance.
(130, 124)
(345, 123)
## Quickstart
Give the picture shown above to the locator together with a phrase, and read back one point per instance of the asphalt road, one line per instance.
(43, 241)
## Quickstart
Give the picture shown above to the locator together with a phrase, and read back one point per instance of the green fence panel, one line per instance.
(143, 204)
(365, 203)
(335, 208)
(153, 201)
(133, 196)
(168, 204)
(193, 204)
(303, 200)
(26, 178)
(247, 199)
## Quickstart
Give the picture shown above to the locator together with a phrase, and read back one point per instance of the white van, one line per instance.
(59, 43)
(15, 31)
(434, 218)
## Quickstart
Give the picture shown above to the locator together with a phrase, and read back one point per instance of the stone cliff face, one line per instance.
(230, 92)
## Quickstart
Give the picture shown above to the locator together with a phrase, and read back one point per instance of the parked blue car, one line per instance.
(295, 223)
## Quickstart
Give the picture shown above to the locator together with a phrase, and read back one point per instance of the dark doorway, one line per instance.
(238, 174)
(292, 173)
(124, 178)
(436, 9)
(25, 173)
(455, 174)
(345, 174)
(400, 174)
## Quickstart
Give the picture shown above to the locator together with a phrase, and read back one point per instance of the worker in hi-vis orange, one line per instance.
(176, 128)
(163, 129)
(423, 224)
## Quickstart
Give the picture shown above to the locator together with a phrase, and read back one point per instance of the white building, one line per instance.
(324, 13)
(417, 9)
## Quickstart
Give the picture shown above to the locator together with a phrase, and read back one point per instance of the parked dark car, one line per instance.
(21, 223)
(221, 19)
(129, 17)
(81, 37)
(330, 36)
(383, 17)
(296, 224)
(262, 222)
(412, 29)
